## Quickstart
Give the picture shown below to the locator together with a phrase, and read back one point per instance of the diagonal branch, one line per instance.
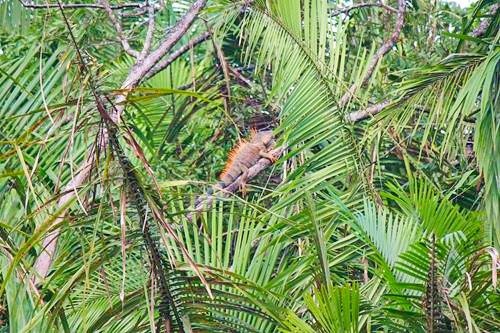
(368, 112)
(79, 5)
(150, 33)
(347, 10)
(206, 203)
(44, 260)
(121, 36)
(242, 80)
(136, 74)
(225, 71)
(384, 48)
(377, 108)
(178, 30)
(161, 65)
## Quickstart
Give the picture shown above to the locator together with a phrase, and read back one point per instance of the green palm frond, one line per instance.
(333, 309)
(435, 212)
(391, 233)
(368, 227)
(227, 242)
(14, 16)
(307, 62)
(451, 106)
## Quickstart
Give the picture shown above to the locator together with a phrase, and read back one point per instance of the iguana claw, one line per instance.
(268, 155)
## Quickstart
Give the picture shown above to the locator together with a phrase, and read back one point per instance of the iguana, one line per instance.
(242, 157)
(246, 154)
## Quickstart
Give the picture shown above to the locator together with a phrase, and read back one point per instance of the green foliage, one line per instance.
(386, 225)
(334, 309)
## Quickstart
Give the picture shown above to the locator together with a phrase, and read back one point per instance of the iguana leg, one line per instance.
(267, 155)
(244, 177)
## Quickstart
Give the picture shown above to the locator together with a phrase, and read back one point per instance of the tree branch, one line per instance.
(206, 203)
(136, 74)
(149, 34)
(368, 112)
(44, 260)
(384, 48)
(485, 24)
(242, 80)
(377, 108)
(161, 65)
(79, 5)
(119, 30)
(347, 10)
(178, 30)
(225, 71)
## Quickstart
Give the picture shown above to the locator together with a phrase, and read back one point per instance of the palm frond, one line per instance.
(333, 309)
(306, 61)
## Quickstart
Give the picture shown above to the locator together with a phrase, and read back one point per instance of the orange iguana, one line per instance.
(242, 157)
(246, 154)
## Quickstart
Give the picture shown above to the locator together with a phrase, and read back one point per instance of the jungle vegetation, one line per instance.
(380, 214)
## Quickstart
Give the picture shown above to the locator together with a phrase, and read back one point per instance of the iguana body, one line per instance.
(243, 156)
(246, 154)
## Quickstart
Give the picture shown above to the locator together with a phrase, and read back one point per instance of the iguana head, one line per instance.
(264, 137)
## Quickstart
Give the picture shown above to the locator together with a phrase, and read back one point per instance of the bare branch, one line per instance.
(161, 65)
(151, 29)
(44, 260)
(242, 80)
(225, 70)
(140, 69)
(79, 5)
(369, 111)
(253, 171)
(347, 10)
(178, 30)
(384, 48)
(118, 29)
(485, 24)
(377, 108)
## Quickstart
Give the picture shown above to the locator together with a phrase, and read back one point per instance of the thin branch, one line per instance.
(377, 108)
(368, 112)
(118, 29)
(347, 10)
(225, 71)
(151, 29)
(79, 5)
(485, 24)
(161, 65)
(240, 78)
(139, 71)
(384, 48)
(374, 109)
(206, 203)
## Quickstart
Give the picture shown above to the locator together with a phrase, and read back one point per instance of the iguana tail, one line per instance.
(209, 192)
